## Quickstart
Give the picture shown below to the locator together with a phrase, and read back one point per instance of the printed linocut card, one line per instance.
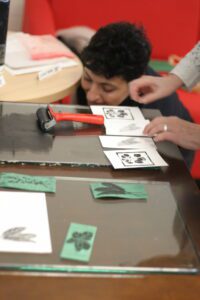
(118, 190)
(121, 120)
(79, 242)
(143, 158)
(120, 113)
(126, 142)
(28, 182)
(126, 128)
(24, 225)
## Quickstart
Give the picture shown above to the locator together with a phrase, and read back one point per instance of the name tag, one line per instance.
(49, 72)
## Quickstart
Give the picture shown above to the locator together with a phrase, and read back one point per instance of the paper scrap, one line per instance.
(79, 242)
(28, 182)
(118, 190)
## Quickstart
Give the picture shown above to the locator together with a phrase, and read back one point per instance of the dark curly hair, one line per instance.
(118, 49)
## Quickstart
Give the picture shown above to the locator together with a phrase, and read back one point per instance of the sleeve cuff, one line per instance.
(187, 72)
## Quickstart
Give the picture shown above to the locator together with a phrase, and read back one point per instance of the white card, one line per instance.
(126, 142)
(127, 127)
(120, 113)
(143, 158)
(48, 72)
(24, 225)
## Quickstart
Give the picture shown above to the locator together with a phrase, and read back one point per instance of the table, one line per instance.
(59, 285)
(27, 87)
(38, 286)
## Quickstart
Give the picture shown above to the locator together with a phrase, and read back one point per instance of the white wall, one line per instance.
(15, 15)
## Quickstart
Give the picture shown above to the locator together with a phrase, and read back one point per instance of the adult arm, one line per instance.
(147, 89)
(183, 133)
(188, 70)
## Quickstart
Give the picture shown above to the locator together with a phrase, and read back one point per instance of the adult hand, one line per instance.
(147, 89)
(183, 133)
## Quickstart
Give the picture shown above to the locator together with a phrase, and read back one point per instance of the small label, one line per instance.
(49, 72)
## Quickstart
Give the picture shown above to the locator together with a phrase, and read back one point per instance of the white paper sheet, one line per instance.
(143, 158)
(126, 142)
(24, 225)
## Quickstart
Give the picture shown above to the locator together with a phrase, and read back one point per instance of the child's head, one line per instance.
(116, 54)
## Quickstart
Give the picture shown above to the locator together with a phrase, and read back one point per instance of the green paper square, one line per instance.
(118, 190)
(79, 242)
(28, 182)
(160, 65)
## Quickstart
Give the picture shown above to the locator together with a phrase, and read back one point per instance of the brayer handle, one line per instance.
(83, 118)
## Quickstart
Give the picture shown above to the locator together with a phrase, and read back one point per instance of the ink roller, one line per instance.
(47, 118)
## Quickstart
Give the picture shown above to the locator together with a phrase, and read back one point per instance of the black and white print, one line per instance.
(135, 159)
(126, 142)
(120, 113)
(126, 128)
(117, 113)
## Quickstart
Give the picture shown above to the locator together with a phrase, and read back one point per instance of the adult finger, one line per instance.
(147, 98)
(154, 130)
(144, 90)
(165, 136)
(156, 125)
(143, 94)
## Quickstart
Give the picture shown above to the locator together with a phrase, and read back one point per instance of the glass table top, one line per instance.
(133, 236)
(68, 143)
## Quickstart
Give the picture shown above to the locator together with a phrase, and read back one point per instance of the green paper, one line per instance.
(119, 190)
(79, 242)
(27, 182)
(160, 65)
